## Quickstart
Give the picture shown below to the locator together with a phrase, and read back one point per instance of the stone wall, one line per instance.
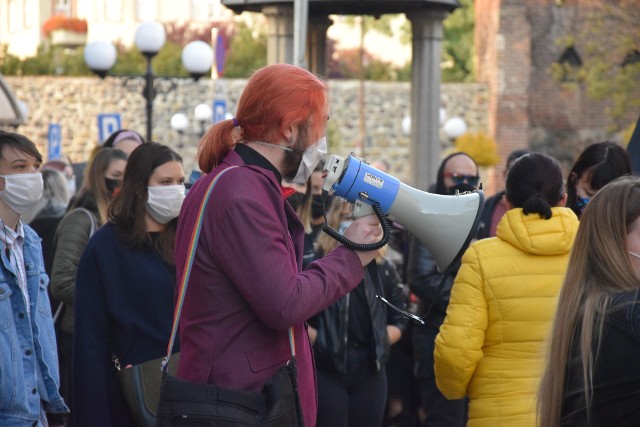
(75, 102)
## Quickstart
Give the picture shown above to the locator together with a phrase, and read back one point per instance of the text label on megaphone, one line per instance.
(444, 224)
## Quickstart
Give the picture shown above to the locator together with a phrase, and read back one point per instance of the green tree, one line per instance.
(9, 64)
(247, 51)
(611, 57)
(457, 52)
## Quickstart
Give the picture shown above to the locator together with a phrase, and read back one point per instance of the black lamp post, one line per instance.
(197, 58)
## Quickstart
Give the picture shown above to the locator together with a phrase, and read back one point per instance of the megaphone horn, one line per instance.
(444, 224)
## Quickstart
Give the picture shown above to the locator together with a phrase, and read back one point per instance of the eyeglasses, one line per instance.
(459, 179)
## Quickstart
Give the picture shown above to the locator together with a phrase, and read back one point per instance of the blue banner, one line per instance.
(108, 123)
(219, 110)
(55, 141)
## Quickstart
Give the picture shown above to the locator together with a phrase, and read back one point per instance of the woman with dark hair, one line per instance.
(592, 374)
(504, 298)
(124, 140)
(86, 211)
(125, 285)
(596, 166)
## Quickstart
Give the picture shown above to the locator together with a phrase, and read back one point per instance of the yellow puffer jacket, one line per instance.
(490, 346)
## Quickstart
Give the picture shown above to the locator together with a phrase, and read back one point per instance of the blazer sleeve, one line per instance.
(259, 259)
(91, 349)
(458, 347)
(71, 238)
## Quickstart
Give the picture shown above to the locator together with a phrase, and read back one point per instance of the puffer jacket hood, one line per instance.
(527, 233)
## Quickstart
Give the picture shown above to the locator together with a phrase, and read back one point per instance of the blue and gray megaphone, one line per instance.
(444, 224)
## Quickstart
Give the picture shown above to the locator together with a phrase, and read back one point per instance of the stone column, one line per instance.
(425, 95)
(317, 44)
(279, 34)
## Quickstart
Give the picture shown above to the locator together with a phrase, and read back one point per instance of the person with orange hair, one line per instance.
(247, 286)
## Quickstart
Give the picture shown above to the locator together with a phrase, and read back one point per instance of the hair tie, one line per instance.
(235, 123)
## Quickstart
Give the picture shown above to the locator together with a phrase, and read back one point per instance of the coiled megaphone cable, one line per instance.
(361, 247)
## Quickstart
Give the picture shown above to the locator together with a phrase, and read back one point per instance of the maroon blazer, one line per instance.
(247, 286)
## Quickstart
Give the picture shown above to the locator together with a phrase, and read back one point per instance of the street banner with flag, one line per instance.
(633, 148)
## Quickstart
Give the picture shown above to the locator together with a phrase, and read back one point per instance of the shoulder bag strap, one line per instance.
(91, 218)
(186, 272)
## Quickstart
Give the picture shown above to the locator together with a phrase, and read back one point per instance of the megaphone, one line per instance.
(444, 224)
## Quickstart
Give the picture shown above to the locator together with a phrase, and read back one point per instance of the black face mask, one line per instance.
(461, 188)
(112, 184)
(295, 200)
(317, 208)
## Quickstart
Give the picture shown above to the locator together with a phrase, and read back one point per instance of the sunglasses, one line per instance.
(459, 179)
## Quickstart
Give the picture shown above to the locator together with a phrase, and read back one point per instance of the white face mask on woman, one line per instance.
(164, 202)
(22, 190)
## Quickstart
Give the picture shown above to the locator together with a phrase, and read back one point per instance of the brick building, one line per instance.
(517, 44)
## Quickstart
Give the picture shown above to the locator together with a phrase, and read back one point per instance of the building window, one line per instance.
(14, 16)
(62, 7)
(147, 10)
(113, 10)
(205, 10)
(29, 13)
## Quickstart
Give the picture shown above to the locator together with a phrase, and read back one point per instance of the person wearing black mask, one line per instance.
(457, 172)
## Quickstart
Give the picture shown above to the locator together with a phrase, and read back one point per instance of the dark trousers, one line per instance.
(65, 347)
(355, 398)
(440, 412)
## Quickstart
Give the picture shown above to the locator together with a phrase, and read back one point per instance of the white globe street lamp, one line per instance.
(150, 37)
(100, 57)
(454, 127)
(197, 58)
(203, 114)
(179, 122)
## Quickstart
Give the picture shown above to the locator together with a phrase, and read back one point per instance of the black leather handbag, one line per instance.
(183, 403)
(140, 386)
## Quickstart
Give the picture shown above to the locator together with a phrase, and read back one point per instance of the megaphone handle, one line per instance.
(363, 247)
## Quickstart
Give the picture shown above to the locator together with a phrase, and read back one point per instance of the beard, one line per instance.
(292, 159)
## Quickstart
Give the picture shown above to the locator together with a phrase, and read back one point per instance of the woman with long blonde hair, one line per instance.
(592, 375)
(352, 338)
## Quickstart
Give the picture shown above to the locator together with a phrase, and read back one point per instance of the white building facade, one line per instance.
(21, 21)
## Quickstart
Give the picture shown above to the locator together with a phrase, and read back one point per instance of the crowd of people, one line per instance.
(534, 325)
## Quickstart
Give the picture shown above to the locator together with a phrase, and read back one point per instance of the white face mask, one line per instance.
(22, 191)
(165, 201)
(310, 159)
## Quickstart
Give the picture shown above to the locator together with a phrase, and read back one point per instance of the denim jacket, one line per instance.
(27, 342)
